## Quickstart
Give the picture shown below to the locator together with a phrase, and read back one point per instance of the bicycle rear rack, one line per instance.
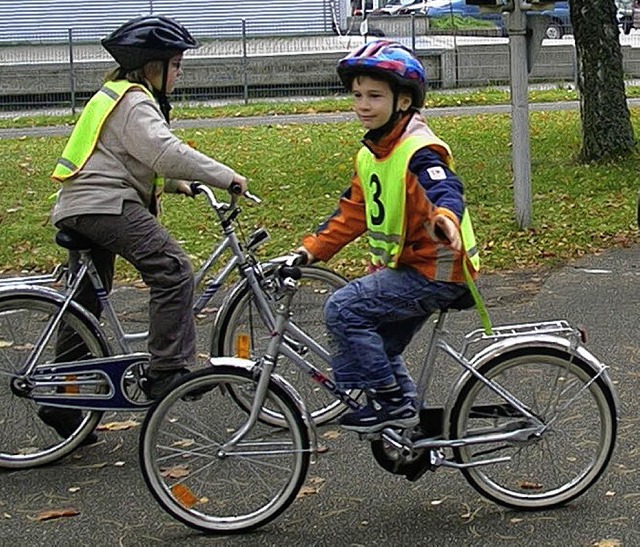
(44, 279)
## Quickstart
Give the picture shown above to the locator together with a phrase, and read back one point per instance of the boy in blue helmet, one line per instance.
(408, 201)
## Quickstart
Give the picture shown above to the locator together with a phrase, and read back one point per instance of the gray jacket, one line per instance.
(134, 145)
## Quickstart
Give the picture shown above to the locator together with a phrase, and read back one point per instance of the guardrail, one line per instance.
(65, 74)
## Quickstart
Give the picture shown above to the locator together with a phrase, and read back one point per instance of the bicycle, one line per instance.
(530, 422)
(53, 352)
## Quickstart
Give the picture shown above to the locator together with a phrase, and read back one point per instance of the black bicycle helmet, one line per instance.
(147, 38)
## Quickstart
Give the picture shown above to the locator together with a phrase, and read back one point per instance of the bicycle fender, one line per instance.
(228, 303)
(249, 365)
(542, 341)
(47, 293)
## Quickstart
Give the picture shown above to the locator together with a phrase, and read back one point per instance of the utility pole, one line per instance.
(516, 21)
(525, 33)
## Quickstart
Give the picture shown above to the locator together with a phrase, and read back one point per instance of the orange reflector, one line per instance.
(243, 345)
(74, 387)
(183, 495)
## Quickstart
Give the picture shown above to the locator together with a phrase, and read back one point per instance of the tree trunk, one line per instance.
(606, 123)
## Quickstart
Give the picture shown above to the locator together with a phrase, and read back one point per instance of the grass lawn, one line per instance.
(300, 170)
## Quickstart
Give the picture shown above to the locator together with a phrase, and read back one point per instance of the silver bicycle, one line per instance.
(530, 422)
(53, 352)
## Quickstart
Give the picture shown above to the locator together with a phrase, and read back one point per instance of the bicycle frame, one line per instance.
(110, 371)
(551, 331)
(230, 241)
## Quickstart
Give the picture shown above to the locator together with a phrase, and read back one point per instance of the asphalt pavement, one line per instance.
(349, 499)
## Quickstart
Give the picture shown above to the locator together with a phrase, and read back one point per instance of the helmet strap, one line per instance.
(161, 94)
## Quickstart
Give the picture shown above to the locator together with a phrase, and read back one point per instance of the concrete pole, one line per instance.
(521, 157)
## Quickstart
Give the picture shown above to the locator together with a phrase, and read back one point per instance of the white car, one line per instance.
(394, 6)
(420, 8)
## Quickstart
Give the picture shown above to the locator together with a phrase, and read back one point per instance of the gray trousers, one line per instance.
(138, 237)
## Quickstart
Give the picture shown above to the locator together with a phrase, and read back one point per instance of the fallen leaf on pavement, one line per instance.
(118, 426)
(56, 514)
(313, 487)
(176, 472)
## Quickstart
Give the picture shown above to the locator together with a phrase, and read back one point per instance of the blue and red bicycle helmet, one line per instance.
(389, 60)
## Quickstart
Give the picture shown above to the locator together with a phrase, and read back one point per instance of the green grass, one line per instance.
(300, 170)
(339, 103)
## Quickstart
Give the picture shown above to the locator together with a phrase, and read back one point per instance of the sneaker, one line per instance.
(158, 382)
(65, 421)
(374, 417)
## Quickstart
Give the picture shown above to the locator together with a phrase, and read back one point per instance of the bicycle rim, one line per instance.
(26, 440)
(236, 492)
(243, 334)
(567, 458)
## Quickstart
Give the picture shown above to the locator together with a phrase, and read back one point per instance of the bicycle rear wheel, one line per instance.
(244, 488)
(567, 458)
(243, 326)
(24, 317)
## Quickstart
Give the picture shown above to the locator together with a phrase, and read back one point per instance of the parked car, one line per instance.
(636, 14)
(559, 21)
(356, 7)
(417, 8)
(625, 14)
(448, 8)
(393, 7)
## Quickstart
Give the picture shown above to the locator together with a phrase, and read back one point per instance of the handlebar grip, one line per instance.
(235, 188)
(195, 188)
(290, 271)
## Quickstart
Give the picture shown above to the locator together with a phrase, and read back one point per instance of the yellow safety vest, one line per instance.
(384, 188)
(85, 134)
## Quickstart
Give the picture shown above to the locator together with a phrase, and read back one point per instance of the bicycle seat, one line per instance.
(73, 241)
(463, 302)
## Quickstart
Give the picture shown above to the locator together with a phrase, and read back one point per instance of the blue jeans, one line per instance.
(372, 320)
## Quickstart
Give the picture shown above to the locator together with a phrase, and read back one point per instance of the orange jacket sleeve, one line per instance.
(344, 225)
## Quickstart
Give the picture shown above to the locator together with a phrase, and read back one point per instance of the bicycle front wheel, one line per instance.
(243, 327)
(25, 321)
(216, 489)
(546, 470)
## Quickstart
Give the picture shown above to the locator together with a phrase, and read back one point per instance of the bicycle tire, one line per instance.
(229, 493)
(27, 441)
(638, 212)
(580, 438)
(315, 285)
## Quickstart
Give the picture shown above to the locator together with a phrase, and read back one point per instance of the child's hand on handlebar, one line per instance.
(184, 187)
(239, 185)
(310, 259)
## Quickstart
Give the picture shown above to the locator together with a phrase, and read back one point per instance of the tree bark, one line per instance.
(606, 122)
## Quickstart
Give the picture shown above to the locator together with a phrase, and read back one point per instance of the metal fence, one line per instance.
(63, 70)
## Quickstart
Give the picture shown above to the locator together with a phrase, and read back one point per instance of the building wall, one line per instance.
(50, 20)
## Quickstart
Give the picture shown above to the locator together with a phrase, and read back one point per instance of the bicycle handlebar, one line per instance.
(234, 190)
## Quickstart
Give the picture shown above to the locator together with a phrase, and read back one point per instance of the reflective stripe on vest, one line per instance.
(85, 135)
(469, 240)
(384, 188)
